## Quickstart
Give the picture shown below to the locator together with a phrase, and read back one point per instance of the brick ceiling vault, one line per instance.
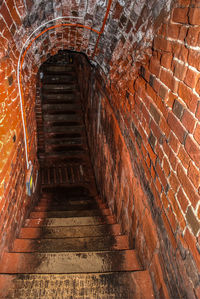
(106, 31)
(119, 28)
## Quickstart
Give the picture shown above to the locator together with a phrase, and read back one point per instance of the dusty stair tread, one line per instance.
(66, 214)
(70, 262)
(61, 155)
(72, 117)
(52, 78)
(69, 205)
(61, 107)
(52, 196)
(59, 68)
(69, 134)
(62, 101)
(64, 159)
(70, 231)
(66, 129)
(123, 285)
(42, 207)
(64, 148)
(65, 122)
(71, 244)
(76, 140)
(73, 95)
(48, 143)
(69, 221)
(58, 87)
(60, 79)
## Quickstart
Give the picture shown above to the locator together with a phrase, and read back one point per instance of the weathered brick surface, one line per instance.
(145, 110)
(157, 135)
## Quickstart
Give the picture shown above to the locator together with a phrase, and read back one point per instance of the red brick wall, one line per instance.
(143, 130)
(143, 122)
(14, 203)
(18, 19)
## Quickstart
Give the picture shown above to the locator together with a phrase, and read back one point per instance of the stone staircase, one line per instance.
(70, 246)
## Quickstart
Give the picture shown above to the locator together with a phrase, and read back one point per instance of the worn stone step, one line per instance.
(69, 221)
(70, 88)
(71, 244)
(63, 123)
(60, 102)
(66, 127)
(63, 117)
(64, 148)
(115, 285)
(63, 159)
(46, 207)
(70, 201)
(52, 78)
(61, 107)
(58, 88)
(67, 198)
(73, 95)
(61, 155)
(78, 192)
(59, 68)
(70, 262)
(71, 206)
(70, 231)
(59, 135)
(66, 141)
(66, 112)
(66, 214)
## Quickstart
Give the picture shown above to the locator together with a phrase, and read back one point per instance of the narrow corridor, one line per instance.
(70, 246)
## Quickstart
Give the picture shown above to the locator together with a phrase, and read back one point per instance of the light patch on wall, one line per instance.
(121, 2)
(102, 3)
(2, 112)
(99, 115)
(1, 145)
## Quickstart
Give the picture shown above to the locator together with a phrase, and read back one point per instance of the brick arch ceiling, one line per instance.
(128, 28)
(118, 28)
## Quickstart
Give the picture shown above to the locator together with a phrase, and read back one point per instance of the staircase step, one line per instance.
(42, 207)
(69, 221)
(66, 214)
(63, 159)
(59, 79)
(67, 199)
(62, 101)
(63, 122)
(58, 87)
(123, 285)
(71, 244)
(66, 129)
(57, 148)
(61, 107)
(62, 117)
(64, 148)
(63, 155)
(59, 68)
(73, 95)
(70, 141)
(70, 262)
(70, 231)
(58, 135)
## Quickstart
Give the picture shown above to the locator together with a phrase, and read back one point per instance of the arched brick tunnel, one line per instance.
(137, 66)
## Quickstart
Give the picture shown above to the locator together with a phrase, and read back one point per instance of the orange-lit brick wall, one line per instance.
(143, 128)
(142, 115)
